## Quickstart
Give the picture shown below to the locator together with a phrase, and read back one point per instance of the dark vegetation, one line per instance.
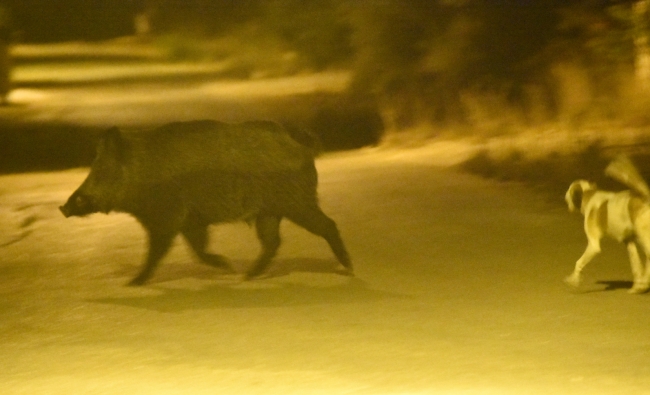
(469, 67)
(42, 147)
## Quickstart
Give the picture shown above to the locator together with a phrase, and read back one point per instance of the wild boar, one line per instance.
(184, 176)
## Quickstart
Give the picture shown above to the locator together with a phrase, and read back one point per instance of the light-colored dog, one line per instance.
(623, 216)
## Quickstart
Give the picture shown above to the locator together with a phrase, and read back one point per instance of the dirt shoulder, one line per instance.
(549, 163)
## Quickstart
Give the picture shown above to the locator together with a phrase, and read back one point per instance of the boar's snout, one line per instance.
(77, 205)
(66, 211)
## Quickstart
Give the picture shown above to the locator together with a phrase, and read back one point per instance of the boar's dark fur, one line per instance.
(184, 176)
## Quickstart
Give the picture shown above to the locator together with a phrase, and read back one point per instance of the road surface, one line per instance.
(458, 290)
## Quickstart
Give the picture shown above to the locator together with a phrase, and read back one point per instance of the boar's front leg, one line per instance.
(196, 234)
(159, 243)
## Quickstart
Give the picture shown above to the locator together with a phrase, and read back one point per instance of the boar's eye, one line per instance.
(81, 201)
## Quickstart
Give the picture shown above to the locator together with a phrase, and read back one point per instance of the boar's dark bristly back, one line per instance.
(250, 147)
(305, 138)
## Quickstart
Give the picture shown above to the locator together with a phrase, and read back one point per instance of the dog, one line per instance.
(623, 216)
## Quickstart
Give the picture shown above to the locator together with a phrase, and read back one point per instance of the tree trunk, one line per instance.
(641, 45)
(143, 20)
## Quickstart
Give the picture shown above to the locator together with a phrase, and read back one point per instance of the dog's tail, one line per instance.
(623, 170)
(575, 193)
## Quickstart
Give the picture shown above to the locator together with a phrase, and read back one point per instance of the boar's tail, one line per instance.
(304, 137)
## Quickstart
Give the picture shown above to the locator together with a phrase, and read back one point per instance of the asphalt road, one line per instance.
(458, 290)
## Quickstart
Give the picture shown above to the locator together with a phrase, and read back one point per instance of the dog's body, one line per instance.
(623, 216)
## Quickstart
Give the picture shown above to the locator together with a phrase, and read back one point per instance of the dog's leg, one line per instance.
(637, 268)
(593, 248)
(642, 226)
(642, 282)
(642, 285)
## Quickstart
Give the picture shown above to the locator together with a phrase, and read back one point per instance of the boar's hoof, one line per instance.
(138, 281)
(252, 275)
(218, 262)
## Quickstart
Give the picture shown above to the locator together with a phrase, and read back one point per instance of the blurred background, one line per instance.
(459, 280)
(357, 73)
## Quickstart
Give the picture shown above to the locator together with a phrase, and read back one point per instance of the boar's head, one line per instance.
(100, 190)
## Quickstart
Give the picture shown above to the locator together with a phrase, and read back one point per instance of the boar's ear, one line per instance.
(111, 143)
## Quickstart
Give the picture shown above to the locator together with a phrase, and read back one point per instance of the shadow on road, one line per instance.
(199, 271)
(615, 285)
(253, 294)
(284, 267)
(610, 285)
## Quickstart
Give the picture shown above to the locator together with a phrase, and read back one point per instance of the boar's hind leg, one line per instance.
(159, 244)
(268, 232)
(315, 221)
(196, 235)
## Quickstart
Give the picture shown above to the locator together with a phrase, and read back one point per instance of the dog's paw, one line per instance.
(639, 288)
(573, 280)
